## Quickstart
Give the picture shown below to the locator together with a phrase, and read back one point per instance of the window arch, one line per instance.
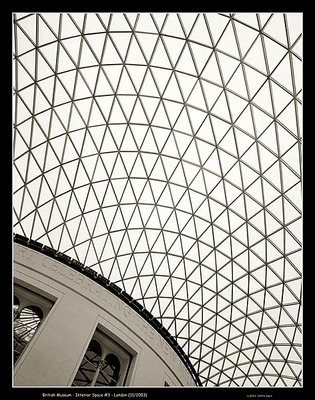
(111, 369)
(26, 322)
(104, 363)
(89, 365)
(29, 310)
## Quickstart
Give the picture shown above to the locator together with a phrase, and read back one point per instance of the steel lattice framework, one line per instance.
(164, 151)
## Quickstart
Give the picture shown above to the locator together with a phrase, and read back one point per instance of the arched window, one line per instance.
(29, 311)
(26, 322)
(110, 370)
(89, 365)
(100, 366)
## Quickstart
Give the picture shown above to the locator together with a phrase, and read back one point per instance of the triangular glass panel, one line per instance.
(293, 236)
(191, 156)
(263, 99)
(275, 53)
(273, 175)
(26, 41)
(173, 26)
(185, 62)
(118, 22)
(138, 169)
(235, 221)
(288, 119)
(267, 158)
(125, 85)
(255, 79)
(228, 43)
(97, 42)
(110, 55)
(69, 28)
(237, 105)
(44, 70)
(160, 118)
(216, 25)
(146, 24)
(195, 95)
(246, 34)
(271, 192)
(173, 111)
(157, 171)
(232, 193)
(212, 164)
(52, 20)
(93, 25)
(190, 230)
(282, 74)
(178, 178)
(200, 53)
(269, 139)
(294, 23)
(72, 47)
(64, 60)
(276, 28)
(149, 85)
(222, 220)
(204, 149)
(211, 93)
(149, 146)
(121, 41)
(238, 207)
(220, 127)
(41, 102)
(149, 106)
(290, 177)
(137, 74)
(228, 66)
(91, 75)
(292, 158)
(113, 74)
(91, 203)
(252, 205)
(172, 91)
(281, 98)
(250, 159)
(198, 184)
(211, 71)
(171, 224)
(290, 212)
(255, 57)
(238, 84)
(160, 57)
(227, 161)
(117, 115)
(166, 198)
(74, 210)
(184, 204)
(24, 77)
(143, 111)
(234, 176)
(203, 210)
(244, 130)
(196, 28)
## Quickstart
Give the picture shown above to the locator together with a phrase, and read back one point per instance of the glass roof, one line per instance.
(164, 151)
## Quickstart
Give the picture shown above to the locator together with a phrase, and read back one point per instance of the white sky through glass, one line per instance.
(164, 151)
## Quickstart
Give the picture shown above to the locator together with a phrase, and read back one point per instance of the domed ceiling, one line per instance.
(164, 151)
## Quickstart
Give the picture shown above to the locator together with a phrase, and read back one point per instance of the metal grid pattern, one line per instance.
(164, 151)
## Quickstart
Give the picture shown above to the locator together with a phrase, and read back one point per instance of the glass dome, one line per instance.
(164, 152)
